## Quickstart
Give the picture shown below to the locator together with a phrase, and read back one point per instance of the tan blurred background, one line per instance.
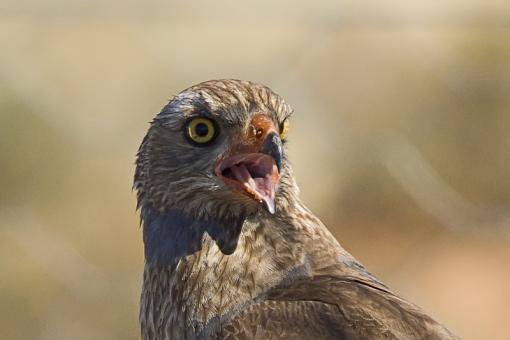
(400, 142)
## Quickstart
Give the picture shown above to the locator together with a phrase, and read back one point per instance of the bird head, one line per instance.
(217, 150)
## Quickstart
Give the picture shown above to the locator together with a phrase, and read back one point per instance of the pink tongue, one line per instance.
(263, 188)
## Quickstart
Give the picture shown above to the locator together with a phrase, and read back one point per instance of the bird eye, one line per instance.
(201, 130)
(284, 129)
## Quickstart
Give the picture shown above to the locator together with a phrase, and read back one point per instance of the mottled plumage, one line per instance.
(219, 263)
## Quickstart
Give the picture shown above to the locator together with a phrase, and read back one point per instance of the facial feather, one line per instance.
(172, 173)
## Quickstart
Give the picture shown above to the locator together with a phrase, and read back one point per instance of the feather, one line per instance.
(219, 265)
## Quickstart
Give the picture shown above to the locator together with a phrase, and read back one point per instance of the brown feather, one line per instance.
(286, 276)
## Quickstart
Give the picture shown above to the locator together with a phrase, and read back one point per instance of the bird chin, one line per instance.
(253, 174)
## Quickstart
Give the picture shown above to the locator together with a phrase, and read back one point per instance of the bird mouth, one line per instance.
(254, 174)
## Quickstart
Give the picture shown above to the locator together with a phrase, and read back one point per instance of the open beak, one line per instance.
(255, 166)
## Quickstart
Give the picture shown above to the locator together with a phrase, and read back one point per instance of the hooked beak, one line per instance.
(254, 168)
(273, 147)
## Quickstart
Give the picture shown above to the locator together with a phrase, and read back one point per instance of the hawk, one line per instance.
(231, 252)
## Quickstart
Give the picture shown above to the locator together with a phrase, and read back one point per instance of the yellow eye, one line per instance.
(201, 130)
(284, 129)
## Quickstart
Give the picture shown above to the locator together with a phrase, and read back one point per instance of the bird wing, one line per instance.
(328, 307)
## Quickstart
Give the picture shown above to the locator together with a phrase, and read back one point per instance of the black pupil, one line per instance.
(201, 129)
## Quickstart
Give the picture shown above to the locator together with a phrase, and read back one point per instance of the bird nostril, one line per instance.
(257, 132)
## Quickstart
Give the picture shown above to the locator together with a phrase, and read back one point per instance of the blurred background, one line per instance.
(400, 143)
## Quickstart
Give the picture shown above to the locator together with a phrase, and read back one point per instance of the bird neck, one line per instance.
(189, 275)
(172, 235)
